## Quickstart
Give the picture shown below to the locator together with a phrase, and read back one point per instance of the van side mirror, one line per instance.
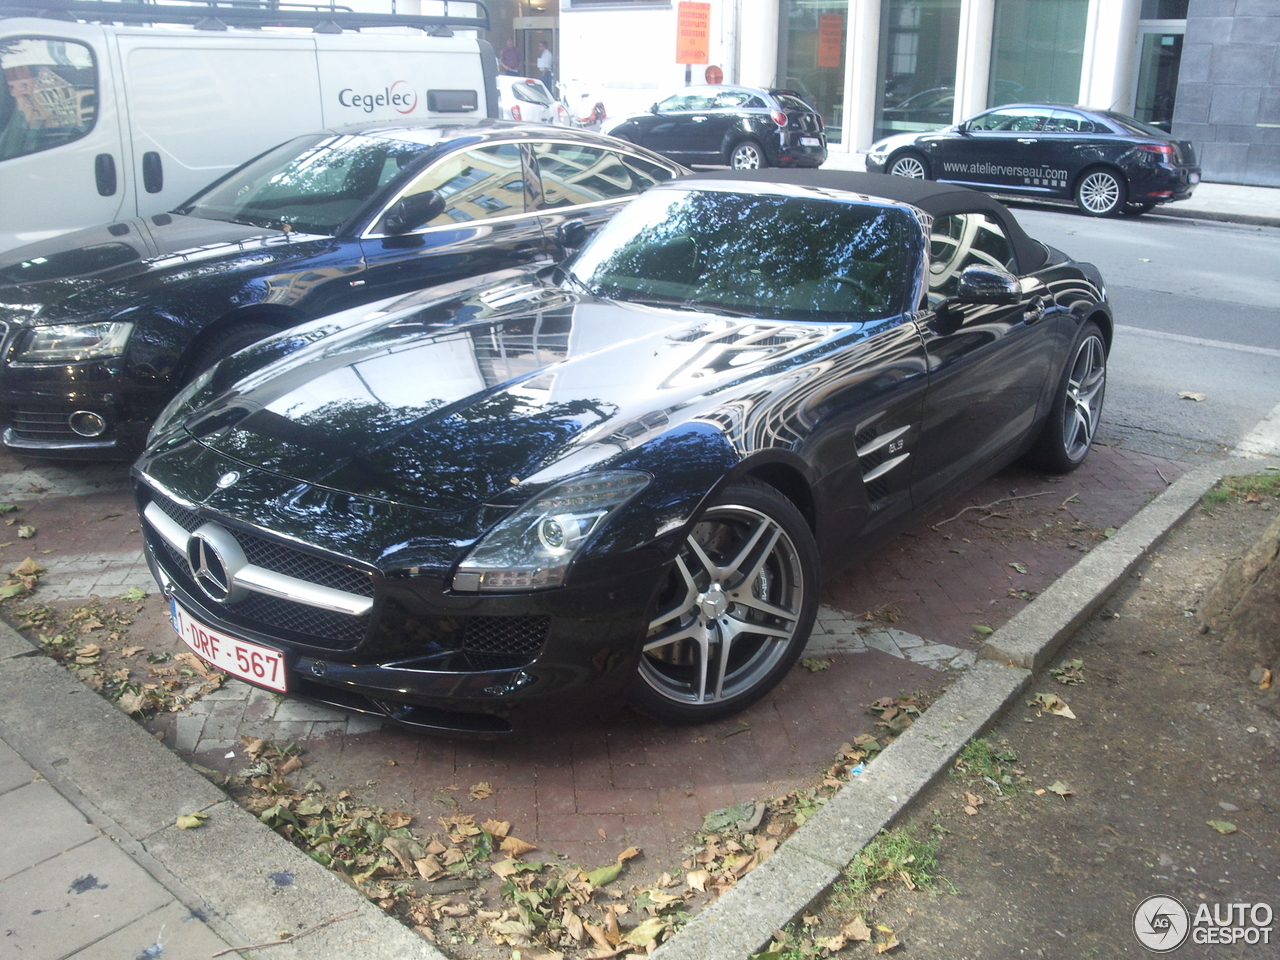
(571, 234)
(409, 213)
(984, 284)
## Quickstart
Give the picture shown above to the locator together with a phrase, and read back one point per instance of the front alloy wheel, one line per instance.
(1077, 408)
(909, 165)
(735, 612)
(1100, 193)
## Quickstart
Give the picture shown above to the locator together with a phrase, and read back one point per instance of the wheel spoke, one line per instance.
(733, 569)
(683, 605)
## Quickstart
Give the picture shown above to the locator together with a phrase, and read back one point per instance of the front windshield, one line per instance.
(782, 257)
(314, 184)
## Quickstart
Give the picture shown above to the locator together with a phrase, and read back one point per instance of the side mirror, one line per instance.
(412, 212)
(962, 127)
(571, 234)
(983, 284)
(653, 108)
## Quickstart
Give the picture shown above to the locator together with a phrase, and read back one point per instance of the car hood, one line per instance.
(459, 404)
(36, 279)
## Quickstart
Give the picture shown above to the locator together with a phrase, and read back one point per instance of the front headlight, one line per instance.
(532, 548)
(66, 342)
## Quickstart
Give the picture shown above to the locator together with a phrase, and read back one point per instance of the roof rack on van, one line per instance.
(220, 14)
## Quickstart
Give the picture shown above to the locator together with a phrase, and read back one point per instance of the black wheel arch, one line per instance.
(279, 318)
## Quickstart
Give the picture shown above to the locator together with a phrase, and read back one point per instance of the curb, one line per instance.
(742, 921)
(246, 882)
(249, 884)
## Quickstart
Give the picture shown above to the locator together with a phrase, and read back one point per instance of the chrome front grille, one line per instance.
(287, 593)
(34, 422)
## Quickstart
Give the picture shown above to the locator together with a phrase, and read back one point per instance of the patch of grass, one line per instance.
(991, 764)
(895, 856)
(1256, 487)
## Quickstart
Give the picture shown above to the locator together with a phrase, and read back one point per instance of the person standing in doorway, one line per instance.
(509, 58)
(545, 62)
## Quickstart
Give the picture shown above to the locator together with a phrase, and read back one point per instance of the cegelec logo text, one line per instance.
(400, 96)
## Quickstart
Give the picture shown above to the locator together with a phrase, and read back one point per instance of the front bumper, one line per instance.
(42, 405)
(427, 658)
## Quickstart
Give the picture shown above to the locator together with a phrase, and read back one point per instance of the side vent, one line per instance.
(878, 453)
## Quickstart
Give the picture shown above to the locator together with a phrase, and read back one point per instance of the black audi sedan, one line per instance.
(534, 498)
(100, 328)
(742, 127)
(1106, 162)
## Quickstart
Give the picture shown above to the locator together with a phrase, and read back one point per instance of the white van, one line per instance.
(103, 121)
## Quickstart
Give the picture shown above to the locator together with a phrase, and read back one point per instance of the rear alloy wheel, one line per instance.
(910, 165)
(1077, 407)
(1100, 193)
(748, 155)
(735, 612)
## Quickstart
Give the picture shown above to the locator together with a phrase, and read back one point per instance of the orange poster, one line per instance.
(693, 33)
(830, 39)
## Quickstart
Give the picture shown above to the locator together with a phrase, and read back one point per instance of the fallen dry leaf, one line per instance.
(857, 930)
(1051, 703)
(189, 821)
(516, 847)
(481, 791)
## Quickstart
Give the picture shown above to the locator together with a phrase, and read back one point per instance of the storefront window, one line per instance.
(917, 77)
(811, 42)
(1036, 51)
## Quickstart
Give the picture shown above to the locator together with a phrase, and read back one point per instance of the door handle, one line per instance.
(104, 172)
(699, 119)
(1030, 140)
(152, 172)
(1034, 312)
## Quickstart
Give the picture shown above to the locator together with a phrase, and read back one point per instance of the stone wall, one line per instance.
(1229, 89)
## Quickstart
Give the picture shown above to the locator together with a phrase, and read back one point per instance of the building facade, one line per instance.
(1208, 70)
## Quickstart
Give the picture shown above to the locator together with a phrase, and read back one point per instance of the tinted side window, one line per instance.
(476, 184)
(1062, 122)
(49, 96)
(961, 240)
(573, 173)
(1015, 119)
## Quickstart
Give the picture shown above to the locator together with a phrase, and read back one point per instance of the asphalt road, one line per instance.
(1198, 310)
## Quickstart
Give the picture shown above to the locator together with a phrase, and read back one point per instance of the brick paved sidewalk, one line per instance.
(587, 793)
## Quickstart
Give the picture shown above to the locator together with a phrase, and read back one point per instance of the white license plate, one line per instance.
(240, 658)
(810, 142)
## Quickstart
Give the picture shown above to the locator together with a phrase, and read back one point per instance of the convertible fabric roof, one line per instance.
(936, 199)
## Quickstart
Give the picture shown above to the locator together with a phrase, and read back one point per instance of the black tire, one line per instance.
(748, 155)
(1101, 193)
(1073, 420)
(223, 343)
(735, 612)
(1138, 209)
(911, 164)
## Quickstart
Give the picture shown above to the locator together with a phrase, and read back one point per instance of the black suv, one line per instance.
(101, 327)
(743, 127)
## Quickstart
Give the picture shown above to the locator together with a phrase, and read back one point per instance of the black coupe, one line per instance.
(1106, 162)
(99, 328)
(546, 494)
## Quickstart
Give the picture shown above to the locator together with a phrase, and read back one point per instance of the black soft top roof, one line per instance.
(935, 199)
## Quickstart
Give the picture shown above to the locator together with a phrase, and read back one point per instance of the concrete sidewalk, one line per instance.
(1224, 202)
(95, 866)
